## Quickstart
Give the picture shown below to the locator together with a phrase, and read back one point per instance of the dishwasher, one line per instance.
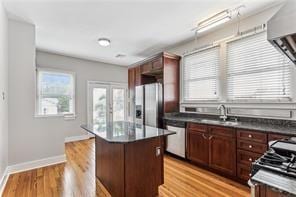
(176, 143)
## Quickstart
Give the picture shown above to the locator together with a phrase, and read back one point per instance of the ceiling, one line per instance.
(137, 29)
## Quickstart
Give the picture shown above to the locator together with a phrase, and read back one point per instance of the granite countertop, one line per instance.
(271, 126)
(124, 132)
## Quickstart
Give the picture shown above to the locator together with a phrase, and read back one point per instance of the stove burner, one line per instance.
(283, 162)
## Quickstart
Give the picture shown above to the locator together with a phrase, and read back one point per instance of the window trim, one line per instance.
(261, 103)
(37, 89)
(182, 91)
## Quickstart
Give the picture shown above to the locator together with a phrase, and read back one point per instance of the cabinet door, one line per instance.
(146, 68)
(131, 91)
(222, 154)
(157, 64)
(198, 147)
(138, 79)
(131, 79)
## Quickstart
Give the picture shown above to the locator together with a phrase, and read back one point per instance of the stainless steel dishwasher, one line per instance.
(176, 143)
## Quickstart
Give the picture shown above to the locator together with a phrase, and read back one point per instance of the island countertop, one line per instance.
(124, 132)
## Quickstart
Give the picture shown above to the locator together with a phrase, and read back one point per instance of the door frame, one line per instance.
(109, 91)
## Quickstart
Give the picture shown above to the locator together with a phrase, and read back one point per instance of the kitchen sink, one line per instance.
(219, 122)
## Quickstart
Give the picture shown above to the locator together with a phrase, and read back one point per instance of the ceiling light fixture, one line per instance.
(104, 42)
(120, 56)
(213, 21)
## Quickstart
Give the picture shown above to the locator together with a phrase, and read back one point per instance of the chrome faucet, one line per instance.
(223, 112)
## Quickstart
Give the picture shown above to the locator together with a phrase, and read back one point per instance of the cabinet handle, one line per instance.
(203, 135)
(250, 146)
(250, 136)
(210, 137)
(250, 159)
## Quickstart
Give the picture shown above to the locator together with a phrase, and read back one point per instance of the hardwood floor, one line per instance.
(77, 178)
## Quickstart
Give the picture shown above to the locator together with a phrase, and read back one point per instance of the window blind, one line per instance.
(256, 70)
(200, 71)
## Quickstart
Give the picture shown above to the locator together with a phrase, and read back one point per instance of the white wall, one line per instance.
(3, 89)
(225, 31)
(32, 138)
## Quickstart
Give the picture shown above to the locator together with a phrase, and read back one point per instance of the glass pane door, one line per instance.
(118, 104)
(100, 113)
(106, 102)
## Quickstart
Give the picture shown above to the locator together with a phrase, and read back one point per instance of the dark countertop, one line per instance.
(124, 132)
(258, 126)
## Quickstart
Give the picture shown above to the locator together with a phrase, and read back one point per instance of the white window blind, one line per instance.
(200, 75)
(256, 70)
(55, 93)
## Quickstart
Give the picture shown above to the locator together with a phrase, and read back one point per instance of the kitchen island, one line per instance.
(129, 157)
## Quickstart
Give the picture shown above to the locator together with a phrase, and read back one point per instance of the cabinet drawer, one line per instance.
(222, 131)
(272, 137)
(197, 127)
(251, 136)
(246, 157)
(243, 171)
(251, 146)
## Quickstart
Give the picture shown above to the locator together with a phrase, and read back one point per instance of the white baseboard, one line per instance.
(36, 164)
(77, 138)
(3, 181)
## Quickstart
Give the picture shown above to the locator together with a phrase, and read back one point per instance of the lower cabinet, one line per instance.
(223, 154)
(198, 147)
(214, 147)
(227, 150)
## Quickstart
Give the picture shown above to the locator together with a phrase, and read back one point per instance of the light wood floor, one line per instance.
(77, 178)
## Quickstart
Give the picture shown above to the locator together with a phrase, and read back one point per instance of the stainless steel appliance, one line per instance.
(281, 30)
(276, 169)
(149, 104)
(176, 143)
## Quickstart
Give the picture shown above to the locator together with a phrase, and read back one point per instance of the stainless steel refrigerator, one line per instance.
(148, 110)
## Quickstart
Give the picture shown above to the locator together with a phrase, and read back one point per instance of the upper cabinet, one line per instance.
(162, 68)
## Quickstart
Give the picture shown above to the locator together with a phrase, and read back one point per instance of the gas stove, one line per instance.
(276, 168)
(280, 158)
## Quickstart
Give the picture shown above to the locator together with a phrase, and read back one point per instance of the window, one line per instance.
(55, 92)
(200, 71)
(257, 71)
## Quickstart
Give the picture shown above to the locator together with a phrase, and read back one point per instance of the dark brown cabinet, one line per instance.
(212, 146)
(250, 146)
(162, 68)
(198, 147)
(222, 150)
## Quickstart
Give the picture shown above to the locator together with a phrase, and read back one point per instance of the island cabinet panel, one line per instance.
(198, 147)
(222, 150)
(110, 166)
(141, 181)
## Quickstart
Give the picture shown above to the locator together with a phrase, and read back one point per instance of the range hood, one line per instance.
(281, 29)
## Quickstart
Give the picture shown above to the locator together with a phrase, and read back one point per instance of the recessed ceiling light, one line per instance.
(104, 42)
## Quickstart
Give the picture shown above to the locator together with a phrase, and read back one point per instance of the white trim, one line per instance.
(54, 70)
(3, 180)
(109, 86)
(77, 138)
(36, 164)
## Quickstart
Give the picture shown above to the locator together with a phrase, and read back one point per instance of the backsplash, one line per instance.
(278, 122)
